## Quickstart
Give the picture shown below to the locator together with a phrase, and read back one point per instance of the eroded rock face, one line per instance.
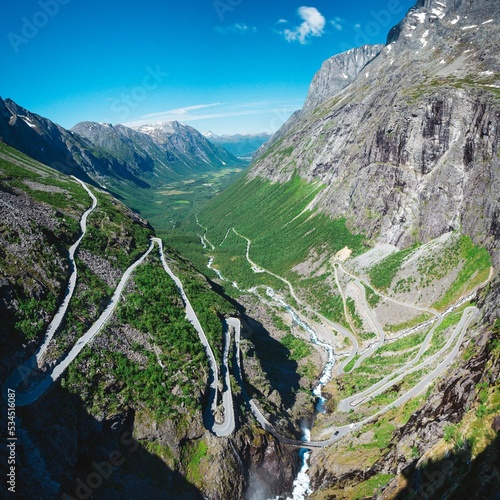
(413, 141)
(338, 72)
(408, 151)
(270, 467)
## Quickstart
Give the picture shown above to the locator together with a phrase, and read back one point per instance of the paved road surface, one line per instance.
(32, 364)
(336, 433)
(58, 317)
(219, 429)
(23, 399)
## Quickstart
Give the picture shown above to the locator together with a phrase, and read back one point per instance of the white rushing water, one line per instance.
(326, 375)
(202, 240)
(214, 269)
(302, 483)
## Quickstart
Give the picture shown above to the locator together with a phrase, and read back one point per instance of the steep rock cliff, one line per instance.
(413, 141)
(338, 72)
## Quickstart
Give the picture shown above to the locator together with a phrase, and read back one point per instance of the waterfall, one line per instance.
(302, 483)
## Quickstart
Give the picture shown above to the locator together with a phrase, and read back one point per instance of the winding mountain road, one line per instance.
(378, 327)
(336, 433)
(31, 364)
(29, 367)
(344, 332)
(58, 317)
(444, 357)
(27, 398)
(219, 429)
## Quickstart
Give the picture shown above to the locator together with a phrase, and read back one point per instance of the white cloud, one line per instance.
(282, 21)
(179, 112)
(313, 25)
(336, 22)
(238, 28)
(190, 114)
(276, 111)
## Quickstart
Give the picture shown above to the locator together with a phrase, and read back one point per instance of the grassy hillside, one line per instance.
(41, 221)
(275, 218)
(147, 361)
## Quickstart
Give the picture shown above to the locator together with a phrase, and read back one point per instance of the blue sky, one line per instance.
(229, 66)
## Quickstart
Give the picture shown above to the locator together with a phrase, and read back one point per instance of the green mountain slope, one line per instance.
(145, 370)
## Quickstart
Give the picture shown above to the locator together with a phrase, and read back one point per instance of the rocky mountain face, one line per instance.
(335, 74)
(137, 150)
(187, 149)
(422, 463)
(63, 150)
(240, 145)
(338, 72)
(409, 149)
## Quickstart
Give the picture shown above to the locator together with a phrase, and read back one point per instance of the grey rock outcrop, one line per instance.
(124, 143)
(337, 73)
(334, 75)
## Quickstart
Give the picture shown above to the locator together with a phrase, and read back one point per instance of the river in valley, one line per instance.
(301, 484)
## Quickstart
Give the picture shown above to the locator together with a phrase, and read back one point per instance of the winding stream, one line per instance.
(301, 485)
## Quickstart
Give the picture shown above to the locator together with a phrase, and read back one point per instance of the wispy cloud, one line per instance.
(197, 113)
(190, 114)
(337, 23)
(179, 112)
(236, 28)
(313, 25)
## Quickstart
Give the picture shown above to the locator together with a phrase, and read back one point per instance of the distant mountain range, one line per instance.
(190, 148)
(108, 154)
(164, 149)
(59, 148)
(240, 145)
